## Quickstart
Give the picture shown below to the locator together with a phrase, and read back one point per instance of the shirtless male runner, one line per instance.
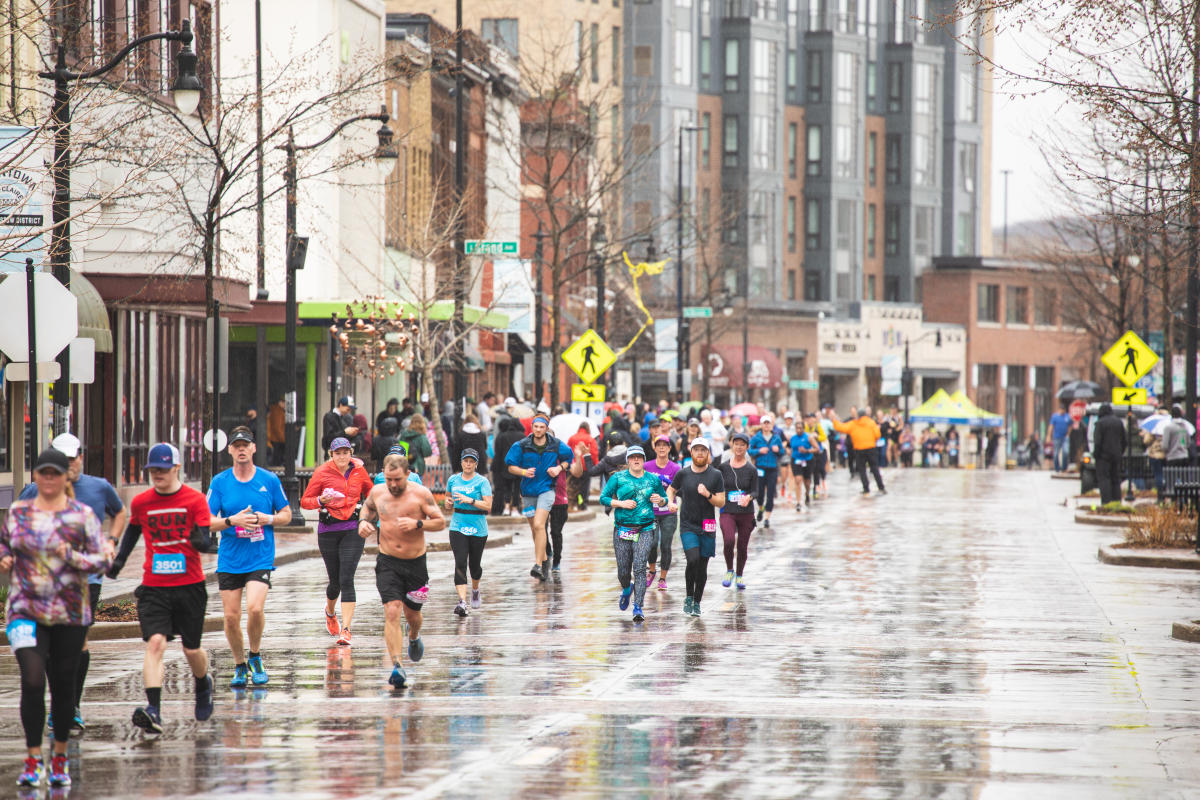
(401, 512)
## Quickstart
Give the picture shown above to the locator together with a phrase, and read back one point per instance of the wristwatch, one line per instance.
(420, 524)
(228, 523)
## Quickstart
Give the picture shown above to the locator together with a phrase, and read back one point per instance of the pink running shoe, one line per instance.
(419, 595)
(662, 584)
(649, 578)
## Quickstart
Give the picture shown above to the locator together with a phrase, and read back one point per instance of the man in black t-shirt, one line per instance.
(700, 490)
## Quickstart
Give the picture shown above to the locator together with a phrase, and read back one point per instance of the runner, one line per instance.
(246, 502)
(401, 512)
(665, 521)
(48, 546)
(174, 520)
(765, 449)
(537, 459)
(700, 490)
(557, 521)
(634, 494)
(737, 515)
(100, 496)
(786, 432)
(469, 497)
(804, 449)
(337, 488)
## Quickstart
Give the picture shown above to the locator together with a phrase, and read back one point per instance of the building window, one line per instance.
(987, 388)
(964, 239)
(762, 217)
(705, 61)
(872, 83)
(793, 145)
(1016, 305)
(968, 156)
(892, 158)
(793, 14)
(683, 58)
(615, 67)
(578, 45)
(615, 131)
(763, 133)
(812, 151)
(846, 78)
(895, 88)
(643, 61)
(989, 302)
(501, 32)
(816, 90)
(968, 108)
(923, 160)
(764, 71)
(891, 288)
(872, 230)
(731, 228)
(732, 67)
(791, 287)
(812, 224)
(846, 213)
(899, 20)
(923, 230)
(640, 136)
(793, 70)
(1044, 307)
(872, 157)
(891, 230)
(729, 141)
(791, 224)
(870, 287)
(923, 78)
(844, 155)
(705, 139)
(812, 285)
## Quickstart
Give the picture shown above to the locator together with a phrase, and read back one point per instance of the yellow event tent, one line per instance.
(954, 409)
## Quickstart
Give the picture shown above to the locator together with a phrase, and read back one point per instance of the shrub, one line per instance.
(1115, 507)
(1161, 526)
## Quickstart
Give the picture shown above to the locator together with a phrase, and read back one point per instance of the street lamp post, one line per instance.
(295, 248)
(681, 331)
(906, 377)
(186, 93)
(599, 242)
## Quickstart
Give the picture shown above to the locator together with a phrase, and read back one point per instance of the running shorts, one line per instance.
(707, 542)
(542, 502)
(396, 577)
(232, 581)
(173, 611)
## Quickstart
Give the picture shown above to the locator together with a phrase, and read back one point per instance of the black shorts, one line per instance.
(396, 577)
(232, 581)
(173, 610)
(94, 598)
(803, 469)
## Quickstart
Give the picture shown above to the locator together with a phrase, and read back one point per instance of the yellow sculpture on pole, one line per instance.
(636, 271)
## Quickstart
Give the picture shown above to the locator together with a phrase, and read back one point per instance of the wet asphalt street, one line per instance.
(956, 638)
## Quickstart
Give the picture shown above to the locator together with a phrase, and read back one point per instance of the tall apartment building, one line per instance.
(841, 144)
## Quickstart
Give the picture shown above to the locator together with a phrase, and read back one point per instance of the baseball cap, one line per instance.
(509, 402)
(740, 437)
(693, 421)
(241, 435)
(340, 443)
(68, 444)
(469, 452)
(788, 415)
(347, 401)
(163, 456)
(52, 458)
(635, 450)
(700, 441)
(662, 438)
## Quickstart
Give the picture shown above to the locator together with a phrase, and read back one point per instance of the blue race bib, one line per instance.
(168, 564)
(21, 633)
(628, 534)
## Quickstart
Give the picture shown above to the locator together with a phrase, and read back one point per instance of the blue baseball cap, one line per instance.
(469, 452)
(635, 450)
(340, 443)
(163, 456)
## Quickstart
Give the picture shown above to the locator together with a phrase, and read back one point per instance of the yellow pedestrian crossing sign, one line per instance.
(589, 356)
(1130, 395)
(1129, 358)
(587, 393)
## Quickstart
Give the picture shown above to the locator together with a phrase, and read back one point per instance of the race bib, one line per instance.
(628, 534)
(168, 564)
(468, 530)
(529, 511)
(709, 526)
(761, 474)
(253, 534)
(736, 496)
(953, 451)
(21, 633)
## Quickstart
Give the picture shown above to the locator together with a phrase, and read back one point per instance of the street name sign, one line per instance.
(483, 247)
(587, 393)
(1129, 358)
(589, 356)
(804, 385)
(697, 312)
(1129, 396)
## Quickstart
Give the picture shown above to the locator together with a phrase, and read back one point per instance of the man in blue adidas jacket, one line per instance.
(538, 459)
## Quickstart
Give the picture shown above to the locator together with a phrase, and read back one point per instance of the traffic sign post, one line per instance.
(697, 312)
(1129, 396)
(588, 393)
(483, 247)
(1129, 358)
(589, 356)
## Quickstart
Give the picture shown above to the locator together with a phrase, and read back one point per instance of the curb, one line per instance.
(1186, 631)
(1180, 558)
(1065, 476)
(1104, 520)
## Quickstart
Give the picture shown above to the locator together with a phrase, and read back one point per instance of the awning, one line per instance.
(441, 311)
(726, 371)
(93, 316)
(935, 373)
(840, 372)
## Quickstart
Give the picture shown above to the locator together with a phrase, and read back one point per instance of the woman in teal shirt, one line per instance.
(633, 494)
(469, 496)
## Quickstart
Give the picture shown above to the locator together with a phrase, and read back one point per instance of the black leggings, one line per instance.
(341, 551)
(766, 486)
(54, 658)
(468, 552)
(558, 519)
(696, 573)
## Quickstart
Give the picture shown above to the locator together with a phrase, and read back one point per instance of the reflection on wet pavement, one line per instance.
(954, 639)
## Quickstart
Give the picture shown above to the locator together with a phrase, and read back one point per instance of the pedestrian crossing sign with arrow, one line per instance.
(587, 393)
(1129, 358)
(1130, 395)
(589, 356)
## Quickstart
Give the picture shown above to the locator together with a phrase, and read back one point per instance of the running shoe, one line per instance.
(883, 491)
(546, 569)
(728, 579)
(148, 719)
(766, 523)
(77, 724)
(344, 638)
(638, 616)
(799, 508)
(258, 675)
(331, 624)
(204, 700)
(536, 572)
(649, 578)
(399, 678)
(476, 599)
(760, 513)
(240, 676)
(662, 584)
(419, 596)
(557, 566)
(60, 770)
(623, 603)
(741, 582)
(461, 608)
(695, 608)
(33, 774)
(687, 605)
(416, 648)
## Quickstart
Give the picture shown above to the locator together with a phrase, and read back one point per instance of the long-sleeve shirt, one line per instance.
(766, 450)
(624, 486)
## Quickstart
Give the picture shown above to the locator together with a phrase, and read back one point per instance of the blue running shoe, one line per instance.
(148, 719)
(240, 676)
(687, 605)
(695, 608)
(623, 603)
(204, 700)
(258, 675)
(728, 579)
(638, 616)
(77, 724)
(416, 648)
(33, 774)
(398, 679)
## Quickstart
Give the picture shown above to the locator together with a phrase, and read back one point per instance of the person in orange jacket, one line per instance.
(864, 436)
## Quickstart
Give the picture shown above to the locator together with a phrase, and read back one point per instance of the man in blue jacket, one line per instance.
(538, 459)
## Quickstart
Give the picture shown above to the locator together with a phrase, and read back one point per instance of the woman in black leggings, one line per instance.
(49, 545)
(469, 496)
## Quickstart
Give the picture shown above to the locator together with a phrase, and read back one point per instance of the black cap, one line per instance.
(740, 437)
(469, 452)
(241, 435)
(52, 459)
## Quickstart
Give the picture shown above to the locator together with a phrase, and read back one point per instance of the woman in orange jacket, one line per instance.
(337, 488)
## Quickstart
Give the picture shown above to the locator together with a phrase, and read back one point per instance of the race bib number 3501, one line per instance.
(168, 564)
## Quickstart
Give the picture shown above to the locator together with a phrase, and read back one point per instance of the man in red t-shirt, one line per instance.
(173, 519)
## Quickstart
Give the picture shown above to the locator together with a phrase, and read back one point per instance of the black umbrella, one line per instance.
(1079, 390)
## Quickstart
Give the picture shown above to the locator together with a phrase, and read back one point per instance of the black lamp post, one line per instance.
(296, 248)
(906, 377)
(186, 93)
(681, 333)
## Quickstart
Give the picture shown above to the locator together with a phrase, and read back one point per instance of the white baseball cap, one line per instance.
(509, 402)
(67, 444)
(700, 441)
